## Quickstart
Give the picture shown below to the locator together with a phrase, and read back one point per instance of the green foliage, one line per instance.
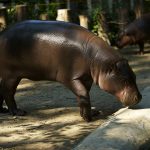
(95, 20)
(33, 13)
(50, 9)
(27, 1)
(11, 15)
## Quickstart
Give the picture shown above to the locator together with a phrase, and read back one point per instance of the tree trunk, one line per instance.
(103, 28)
(3, 18)
(89, 5)
(132, 4)
(123, 18)
(67, 15)
(83, 21)
(110, 6)
(21, 12)
(68, 4)
(63, 15)
(58, 4)
(123, 13)
(47, 7)
(138, 8)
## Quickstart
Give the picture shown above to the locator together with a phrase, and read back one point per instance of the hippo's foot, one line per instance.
(94, 112)
(140, 53)
(4, 110)
(86, 114)
(18, 112)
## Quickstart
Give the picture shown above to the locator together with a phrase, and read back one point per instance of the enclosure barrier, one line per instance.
(127, 129)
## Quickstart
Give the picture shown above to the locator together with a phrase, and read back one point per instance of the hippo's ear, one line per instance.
(121, 62)
(122, 65)
(124, 69)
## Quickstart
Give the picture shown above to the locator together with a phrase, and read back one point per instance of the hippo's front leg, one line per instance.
(85, 108)
(8, 88)
(2, 109)
(83, 98)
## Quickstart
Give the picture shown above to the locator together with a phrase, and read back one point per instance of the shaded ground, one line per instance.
(53, 120)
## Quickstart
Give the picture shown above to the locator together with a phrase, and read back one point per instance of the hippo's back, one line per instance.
(24, 36)
(140, 27)
(34, 28)
(44, 47)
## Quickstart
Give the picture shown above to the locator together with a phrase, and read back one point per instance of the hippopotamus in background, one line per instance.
(136, 33)
(67, 53)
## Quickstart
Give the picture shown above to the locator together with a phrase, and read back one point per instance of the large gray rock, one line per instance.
(127, 129)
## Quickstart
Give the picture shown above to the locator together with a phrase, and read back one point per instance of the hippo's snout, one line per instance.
(137, 99)
(119, 44)
(129, 97)
(132, 99)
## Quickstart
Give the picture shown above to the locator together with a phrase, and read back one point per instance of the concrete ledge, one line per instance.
(128, 129)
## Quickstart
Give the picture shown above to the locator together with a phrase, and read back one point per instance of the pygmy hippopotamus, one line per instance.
(63, 52)
(136, 33)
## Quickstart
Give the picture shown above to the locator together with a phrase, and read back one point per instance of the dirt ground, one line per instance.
(53, 121)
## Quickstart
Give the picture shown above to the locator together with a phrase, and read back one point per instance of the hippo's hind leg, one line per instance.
(9, 86)
(141, 45)
(2, 109)
(81, 89)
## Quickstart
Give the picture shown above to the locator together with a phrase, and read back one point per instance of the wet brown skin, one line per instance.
(63, 52)
(136, 32)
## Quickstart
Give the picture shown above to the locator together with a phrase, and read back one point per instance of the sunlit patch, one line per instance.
(53, 38)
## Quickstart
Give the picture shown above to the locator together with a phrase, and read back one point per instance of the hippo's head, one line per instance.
(121, 82)
(124, 38)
